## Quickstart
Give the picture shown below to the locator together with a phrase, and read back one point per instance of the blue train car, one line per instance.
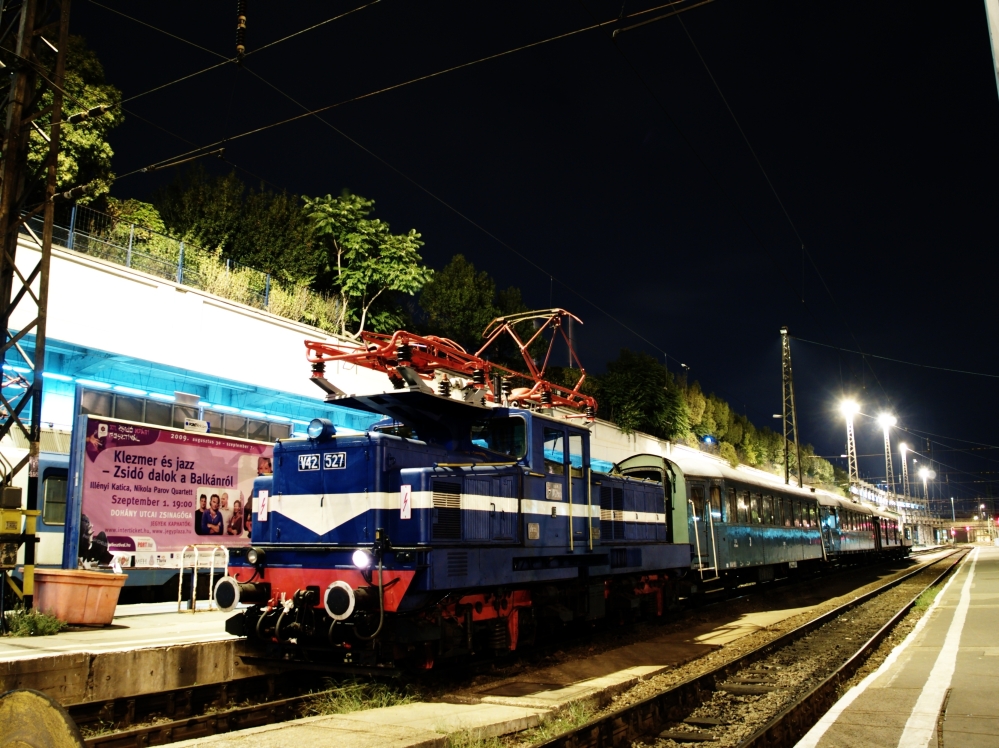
(449, 529)
(746, 525)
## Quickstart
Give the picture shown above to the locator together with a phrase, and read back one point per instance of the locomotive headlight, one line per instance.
(320, 429)
(255, 556)
(362, 559)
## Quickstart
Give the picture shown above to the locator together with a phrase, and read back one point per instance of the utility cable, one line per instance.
(898, 360)
(460, 214)
(777, 197)
(225, 60)
(411, 81)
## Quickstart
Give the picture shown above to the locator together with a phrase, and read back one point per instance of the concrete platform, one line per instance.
(941, 685)
(144, 650)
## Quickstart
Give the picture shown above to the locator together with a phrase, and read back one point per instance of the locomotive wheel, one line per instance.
(33, 720)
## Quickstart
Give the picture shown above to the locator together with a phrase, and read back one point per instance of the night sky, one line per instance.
(607, 176)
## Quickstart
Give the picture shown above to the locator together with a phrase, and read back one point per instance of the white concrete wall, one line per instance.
(113, 308)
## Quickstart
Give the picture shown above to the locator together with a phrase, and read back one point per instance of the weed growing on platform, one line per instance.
(356, 696)
(926, 599)
(568, 718)
(465, 739)
(21, 622)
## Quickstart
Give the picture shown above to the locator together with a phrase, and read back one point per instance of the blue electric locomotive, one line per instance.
(451, 528)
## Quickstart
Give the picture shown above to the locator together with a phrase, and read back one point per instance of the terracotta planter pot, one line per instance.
(85, 598)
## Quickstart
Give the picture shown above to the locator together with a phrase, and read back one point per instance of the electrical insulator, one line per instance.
(590, 412)
(94, 112)
(478, 376)
(319, 367)
(397, 382)
(505, 387)
(240, 29)
(403, 353)
(444, 388)
(546, 398)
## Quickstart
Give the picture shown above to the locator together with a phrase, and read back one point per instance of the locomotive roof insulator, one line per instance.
(444, 387)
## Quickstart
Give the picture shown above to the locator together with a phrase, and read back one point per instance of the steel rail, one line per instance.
(791, 724)
(184, 706)
(200, 711)
(645, 718)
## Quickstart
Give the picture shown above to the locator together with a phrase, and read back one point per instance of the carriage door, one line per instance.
(700, 527)
(556, 520)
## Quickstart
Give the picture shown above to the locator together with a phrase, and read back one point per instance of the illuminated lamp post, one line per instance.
(887, 421)
(849, 408)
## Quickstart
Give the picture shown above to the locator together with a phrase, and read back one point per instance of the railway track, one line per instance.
(170, 716)
(772, 695)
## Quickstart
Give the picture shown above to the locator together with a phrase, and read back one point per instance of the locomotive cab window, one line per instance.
(54, 496)
(554, 451)
(507, 436)
(768, 510)
(576, 455)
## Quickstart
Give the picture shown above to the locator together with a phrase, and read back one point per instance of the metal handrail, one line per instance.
(194, 575)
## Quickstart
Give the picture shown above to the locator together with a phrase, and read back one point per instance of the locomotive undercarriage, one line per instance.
(450, 628)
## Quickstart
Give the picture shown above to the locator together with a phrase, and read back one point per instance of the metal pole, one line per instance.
(267, 291)
(72, 228)
(180, 264)
(131, 239)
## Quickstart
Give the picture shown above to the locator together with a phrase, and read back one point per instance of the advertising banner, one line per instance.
(147, 492)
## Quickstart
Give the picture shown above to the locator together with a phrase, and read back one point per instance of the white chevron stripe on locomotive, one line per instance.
(322, 513)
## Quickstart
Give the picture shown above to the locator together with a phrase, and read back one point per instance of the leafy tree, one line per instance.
(364, 261)
(727, 452)
(696, 405)
(203, 209)
(459, 303)
(641, 395)
(84, 151)
(261, 229)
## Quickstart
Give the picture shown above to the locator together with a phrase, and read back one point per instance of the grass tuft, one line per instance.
(465, 739)
(926, 599)
(568, 718)
(21, 622)
(356, 696)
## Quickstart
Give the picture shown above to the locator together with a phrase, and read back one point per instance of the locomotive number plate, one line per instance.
(308, 462)
(334, 460)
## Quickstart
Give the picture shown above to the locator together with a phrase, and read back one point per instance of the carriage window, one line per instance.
(786, 511)
(554, 452)
(731, 507)
(697, 499)
(755, 507)
(715, 494)
(504, 435)
(796, 512)
(768, 510)
(744, 507)
(54, 490)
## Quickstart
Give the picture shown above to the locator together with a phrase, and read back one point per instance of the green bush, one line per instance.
(21, 622)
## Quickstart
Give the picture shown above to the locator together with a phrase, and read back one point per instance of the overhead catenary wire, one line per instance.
(780, 202)
(315, 112)
(319, 110)
(898, 360)
(225, 59)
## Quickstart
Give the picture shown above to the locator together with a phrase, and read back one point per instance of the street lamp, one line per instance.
(849, 409)
(952, 519)
(887, 421)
